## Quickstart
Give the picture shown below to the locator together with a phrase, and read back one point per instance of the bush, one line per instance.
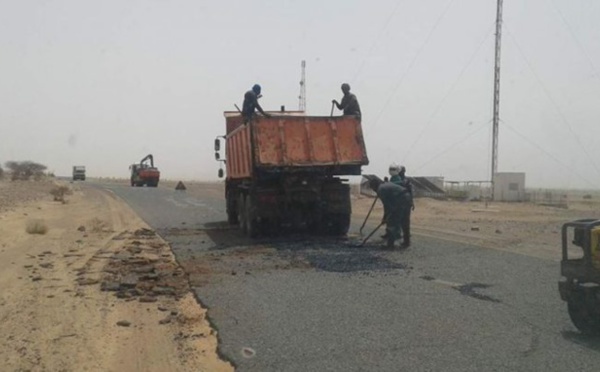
(59, 193)
(97, 225)
(36, 227)
(24, 170)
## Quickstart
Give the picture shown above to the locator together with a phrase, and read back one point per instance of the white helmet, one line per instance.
(394, 169)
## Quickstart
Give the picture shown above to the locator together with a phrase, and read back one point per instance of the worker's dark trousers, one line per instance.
(394, 222)
(405, 225)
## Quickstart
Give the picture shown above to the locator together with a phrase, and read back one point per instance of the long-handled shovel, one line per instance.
(371, 234)
(368, 214)
(332, 106)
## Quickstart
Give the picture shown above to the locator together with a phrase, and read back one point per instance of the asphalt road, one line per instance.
(316, 304)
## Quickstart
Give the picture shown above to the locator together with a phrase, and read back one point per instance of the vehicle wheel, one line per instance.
(252, 225)
(132, 183)
(337, 224)
(241, 212)
(584, 315)
(232, 213)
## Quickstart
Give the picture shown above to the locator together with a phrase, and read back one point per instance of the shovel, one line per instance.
(368, 214)
(332, 107)
(371, 234)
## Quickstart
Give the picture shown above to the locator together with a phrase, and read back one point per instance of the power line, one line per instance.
(551, 99)
(381, 31)
(577, 42)
(460, 141)
(416, 56)
(547, 153)
(452, 87)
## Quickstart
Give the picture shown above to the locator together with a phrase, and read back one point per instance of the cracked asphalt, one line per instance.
(316, 304)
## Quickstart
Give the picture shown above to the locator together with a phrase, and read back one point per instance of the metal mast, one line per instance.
(302, 96)
(496, 117)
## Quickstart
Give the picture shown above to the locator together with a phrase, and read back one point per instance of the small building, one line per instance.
(509, 186)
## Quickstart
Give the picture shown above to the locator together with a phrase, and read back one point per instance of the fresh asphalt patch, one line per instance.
(218, 242)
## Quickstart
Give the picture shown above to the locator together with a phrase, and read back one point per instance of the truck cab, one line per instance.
(78, 172)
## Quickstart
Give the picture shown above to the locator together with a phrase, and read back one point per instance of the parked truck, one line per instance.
(144, 173)
(78, 172)
(580, 269)
(285, 171)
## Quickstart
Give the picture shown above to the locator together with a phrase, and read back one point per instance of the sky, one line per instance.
(103, 83)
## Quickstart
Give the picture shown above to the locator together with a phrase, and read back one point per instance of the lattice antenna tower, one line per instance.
(496, 118)
(302, 96)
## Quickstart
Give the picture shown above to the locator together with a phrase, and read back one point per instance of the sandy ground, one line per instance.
(523, 228)
(54, 315)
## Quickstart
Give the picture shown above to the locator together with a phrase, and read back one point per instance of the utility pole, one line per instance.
(302, 96)
(496, 117)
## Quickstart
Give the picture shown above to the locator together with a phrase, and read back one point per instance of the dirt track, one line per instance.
(54, 316)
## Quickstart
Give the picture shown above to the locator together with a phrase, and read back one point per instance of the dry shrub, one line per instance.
(36, 226)
(97, 225)
(59, 193)
(25, 170)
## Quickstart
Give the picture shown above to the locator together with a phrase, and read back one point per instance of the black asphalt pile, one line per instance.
(143, 269)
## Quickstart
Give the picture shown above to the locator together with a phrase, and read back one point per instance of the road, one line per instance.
(316, 304)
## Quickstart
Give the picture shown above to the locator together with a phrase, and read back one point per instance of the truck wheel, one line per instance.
(338, 224)
(584, 315)
(252, 227)
(232, 213)
(241, 212)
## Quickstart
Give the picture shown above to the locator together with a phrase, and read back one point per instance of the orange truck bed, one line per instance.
(292, 141)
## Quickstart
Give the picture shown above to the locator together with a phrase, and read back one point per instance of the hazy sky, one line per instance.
(103, 83)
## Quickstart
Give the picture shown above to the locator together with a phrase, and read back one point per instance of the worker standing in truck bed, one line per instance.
(251, 104)
(349, 102)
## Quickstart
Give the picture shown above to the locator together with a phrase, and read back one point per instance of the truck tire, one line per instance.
(241, 212)
(252, 225)
(585, 315)
(232, 213)
(337, 224)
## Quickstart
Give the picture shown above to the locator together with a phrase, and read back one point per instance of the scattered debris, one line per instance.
(81, 228)
(166, 320)
(138, 270)
(180, 186)
(123, 323)
(475, 228)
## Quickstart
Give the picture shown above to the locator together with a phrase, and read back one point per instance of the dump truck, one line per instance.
(78, 172)
(285, 171)
(580, 270)
(144, 173)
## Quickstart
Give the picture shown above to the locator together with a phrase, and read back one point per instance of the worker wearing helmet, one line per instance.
(251, 104)
(396, 201)
(399, 178)
(349, 102)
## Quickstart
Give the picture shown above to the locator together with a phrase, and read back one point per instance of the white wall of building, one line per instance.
(509, 186)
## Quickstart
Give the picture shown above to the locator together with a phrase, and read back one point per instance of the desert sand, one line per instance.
(57, 310)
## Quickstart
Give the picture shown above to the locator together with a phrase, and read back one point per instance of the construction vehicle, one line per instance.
(283, 171)
(144, 173)
(580, 285)
(78, 172)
